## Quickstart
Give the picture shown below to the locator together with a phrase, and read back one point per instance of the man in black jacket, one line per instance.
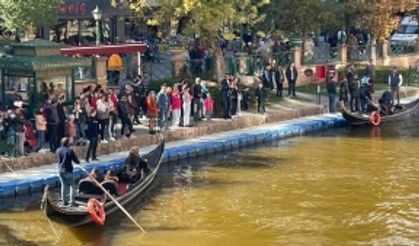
(226, 95)
(292, 74)
(123, 115)
(197, 100)
(278, 79)
(66, 157)
(92, 133)
(267, 77)
(260, 97)
(52, 124)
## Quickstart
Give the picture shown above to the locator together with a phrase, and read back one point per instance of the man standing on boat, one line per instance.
(66, 157)
(395, 81)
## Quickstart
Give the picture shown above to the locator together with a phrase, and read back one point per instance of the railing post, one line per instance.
(386, 58)
(242, 57)
(100, 69)
(178, 62)
(297, 51)
(343, 50)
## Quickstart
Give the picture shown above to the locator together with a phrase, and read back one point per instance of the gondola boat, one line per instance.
(402, 110)
(79, 214)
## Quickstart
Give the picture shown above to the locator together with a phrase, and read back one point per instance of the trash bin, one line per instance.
(320, 72)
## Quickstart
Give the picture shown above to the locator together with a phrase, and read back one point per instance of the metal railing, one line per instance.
(320, 54)
(403, 49)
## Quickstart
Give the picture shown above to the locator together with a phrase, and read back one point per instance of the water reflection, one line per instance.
(352, 186)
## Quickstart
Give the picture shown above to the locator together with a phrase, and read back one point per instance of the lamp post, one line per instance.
(97, 15)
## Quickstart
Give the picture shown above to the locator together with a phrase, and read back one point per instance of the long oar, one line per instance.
(113, 199)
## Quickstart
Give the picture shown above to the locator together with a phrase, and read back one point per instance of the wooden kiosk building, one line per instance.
(29, 66)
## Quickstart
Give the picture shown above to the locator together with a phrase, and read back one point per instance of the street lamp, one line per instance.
(97, 15)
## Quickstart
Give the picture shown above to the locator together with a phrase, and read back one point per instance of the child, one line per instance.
(41, 127)
(209, 106)
(71, 128)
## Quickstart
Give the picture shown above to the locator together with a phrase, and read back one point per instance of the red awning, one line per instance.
(104, 49)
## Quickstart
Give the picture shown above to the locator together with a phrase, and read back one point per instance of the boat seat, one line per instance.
(88, 187)
(111, 186)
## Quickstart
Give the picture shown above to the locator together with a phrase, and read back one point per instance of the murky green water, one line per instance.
(349, 187)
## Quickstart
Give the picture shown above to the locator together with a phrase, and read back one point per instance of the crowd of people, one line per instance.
(93, 116)
(356, 91)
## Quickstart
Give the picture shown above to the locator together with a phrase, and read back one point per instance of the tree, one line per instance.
(26, 15)
(298, 18)
(200, 18)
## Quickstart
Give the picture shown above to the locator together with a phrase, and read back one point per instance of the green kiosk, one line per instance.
(30, 68)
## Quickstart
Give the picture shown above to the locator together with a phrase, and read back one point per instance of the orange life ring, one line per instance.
(375, 118)
(96, 211)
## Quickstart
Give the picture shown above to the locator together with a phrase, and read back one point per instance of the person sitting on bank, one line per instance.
(395, 81)
(385, 103)
(135, 166)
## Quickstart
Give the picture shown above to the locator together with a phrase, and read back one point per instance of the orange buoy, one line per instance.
(375, 118)
(96, 211)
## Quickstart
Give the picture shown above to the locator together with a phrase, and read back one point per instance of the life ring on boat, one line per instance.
(375, 118)
(96, 211)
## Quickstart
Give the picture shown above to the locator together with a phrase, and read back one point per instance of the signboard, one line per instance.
(82, 9)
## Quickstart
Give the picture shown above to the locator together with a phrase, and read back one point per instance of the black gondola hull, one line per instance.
(355, 119)
(78, 216)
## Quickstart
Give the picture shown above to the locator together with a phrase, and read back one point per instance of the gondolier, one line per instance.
(66, 157)
(395, 81)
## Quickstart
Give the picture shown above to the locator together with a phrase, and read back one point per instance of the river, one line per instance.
(337, 187)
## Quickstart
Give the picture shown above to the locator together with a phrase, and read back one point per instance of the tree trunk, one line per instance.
(220, 66)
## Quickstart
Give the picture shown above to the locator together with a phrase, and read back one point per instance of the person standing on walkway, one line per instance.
(103, 110)
(292, 74)
(176, 105)
(331, 92)
(266, 77)
(122, 109)
(278, 80)
(92, 134)
(52, 124)
(234, 96)
(137, 87)
(162, 104)
(41, 127)
(197, 100)
(113, 102)
(152, 111)
(226, 95)
(18, 124)
(80, 119)
(209, 106)
(186, 105)
(353, 88)
(260, 97)
(395, 81)
(66, 157)
(61, 110)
